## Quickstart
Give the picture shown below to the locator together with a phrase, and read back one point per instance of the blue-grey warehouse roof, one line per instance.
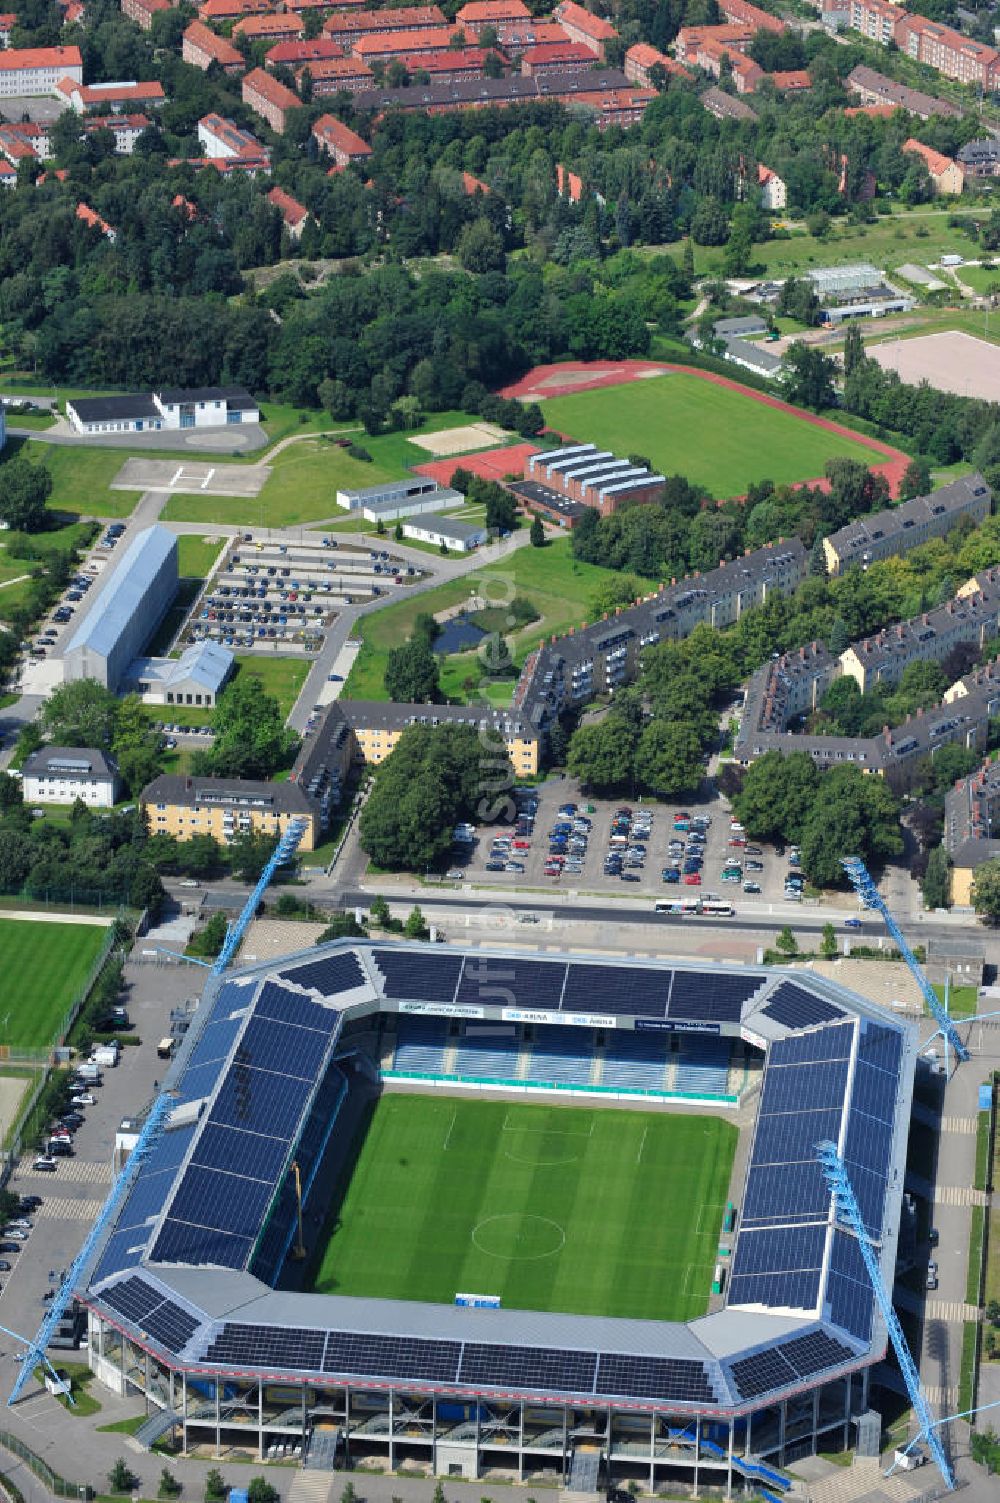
(122, 593)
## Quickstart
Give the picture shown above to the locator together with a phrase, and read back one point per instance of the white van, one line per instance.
(105, 1054)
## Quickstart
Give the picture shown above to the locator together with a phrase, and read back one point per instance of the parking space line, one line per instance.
(207, 480)
(176, 476)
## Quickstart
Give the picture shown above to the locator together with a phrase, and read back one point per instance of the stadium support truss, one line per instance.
(869, 894)
(848, 1211)
(151, 1128)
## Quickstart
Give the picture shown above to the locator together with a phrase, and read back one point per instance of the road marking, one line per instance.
(70, 1171)
(951, 1309)
(69, 1209)
(176, 476)
(207, 480)
(958, 1195)
(964, 1125)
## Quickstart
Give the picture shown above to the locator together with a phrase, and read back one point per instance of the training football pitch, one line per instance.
(44, 965)
(588, 1212)
(711, 434)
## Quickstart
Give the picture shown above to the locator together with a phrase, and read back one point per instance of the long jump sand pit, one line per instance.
(459, 440)
(949, 361)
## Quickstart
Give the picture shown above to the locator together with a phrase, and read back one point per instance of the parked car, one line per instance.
(751, 887)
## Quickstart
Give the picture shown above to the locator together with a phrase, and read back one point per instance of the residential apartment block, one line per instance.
(201, 47)
(341, 143)
(582, 25)
(505, 17)
(143, 11)
(972, 617)
(972, 827)
(63, 774)
(29, 71)
(875, 88)
(875, 19)
(331, 74)
(269, 99)
(641, 59)
(227, 807)
(899, 528)
(947, 51)
(751, 15)
(604, 93)
(224, 140)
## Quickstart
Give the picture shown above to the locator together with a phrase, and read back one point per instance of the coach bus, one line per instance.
(681, 907)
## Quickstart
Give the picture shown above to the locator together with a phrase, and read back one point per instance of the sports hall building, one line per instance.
(192, 1293)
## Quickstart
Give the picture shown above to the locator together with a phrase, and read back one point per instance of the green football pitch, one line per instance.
(713, 435)
(589, 1212)
(44, 965)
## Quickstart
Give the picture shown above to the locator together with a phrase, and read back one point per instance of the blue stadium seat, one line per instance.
(480, 1058)
(421, 1045)
(561, 1055)
(634, 1061)
(703, 1066)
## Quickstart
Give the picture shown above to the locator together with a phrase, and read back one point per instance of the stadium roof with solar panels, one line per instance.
(190, 1262)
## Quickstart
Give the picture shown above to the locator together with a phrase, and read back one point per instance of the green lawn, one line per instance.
(51, 962)
(686, 425)
(195, 556)
(962, 1000)
(590, 1212)
(81, 479)
(559, 586)
(281, 677)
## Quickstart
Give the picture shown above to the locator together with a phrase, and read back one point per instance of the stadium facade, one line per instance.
(192, 1293)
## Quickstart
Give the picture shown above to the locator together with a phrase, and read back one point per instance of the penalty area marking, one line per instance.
(549, 1132)
(701, 1273)
(451, 1129)
(642, 1145)
(715, 1208)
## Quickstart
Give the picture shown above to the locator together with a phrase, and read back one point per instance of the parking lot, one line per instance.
(73, 1194)
(267, 592)
(526, 854)
(56, 630)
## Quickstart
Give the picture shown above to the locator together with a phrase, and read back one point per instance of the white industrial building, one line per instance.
(400, 498)
(63, 774)
(197, 677)
(125, 611)
(458, 536)
(197, 407)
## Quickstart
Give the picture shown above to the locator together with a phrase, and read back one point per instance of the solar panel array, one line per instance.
(794, 1007)
(147, 1309)
(795, 1360)
(330, 975)
(780, 1249)
(239, 1159)
(848, 1288)
(505, 981)
(354, 1354)
(145, 1200)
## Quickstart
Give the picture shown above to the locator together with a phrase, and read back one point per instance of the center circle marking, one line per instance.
(518, 1237)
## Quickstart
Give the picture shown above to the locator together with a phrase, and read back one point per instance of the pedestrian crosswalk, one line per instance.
(311, 1487)
(950, 1309)
(967, 1126)
(941, 1397)
(958, 1195)
(70, 1171)
(64, 1207)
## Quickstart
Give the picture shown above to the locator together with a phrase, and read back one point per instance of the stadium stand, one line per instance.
(702, 1066)
(634, 1061)
(562, 1055)
(421, 1045)
(477, 1058)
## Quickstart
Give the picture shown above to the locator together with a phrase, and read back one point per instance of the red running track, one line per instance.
(577, 375)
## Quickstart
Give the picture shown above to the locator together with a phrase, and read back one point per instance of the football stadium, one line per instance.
(554, 1218)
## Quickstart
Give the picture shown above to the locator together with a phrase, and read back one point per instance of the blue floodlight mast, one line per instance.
(871, 897)
(150, 1129)
(848, 1212)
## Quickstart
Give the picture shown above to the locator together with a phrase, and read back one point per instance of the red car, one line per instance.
(693, 879)
(522, 845)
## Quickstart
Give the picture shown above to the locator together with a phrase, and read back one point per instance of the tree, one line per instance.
(601, 756)
(169, 1485)
(480, 248)
(411, 673)
(416, 925)
(916, 479)
(80, 712)
(215, 1486)
(809, 377)
(341, 926)
(668, 758)
(435, 777)
(778, 795)
(250, 736)
(854, 349)
(138, 766)
(537, 533)
(24, 490)
(249, 853)
(986, 891)
(937, 879)
(120, 1478)
(262, 1491)
(379, 911)
(853, 813)
(786, 942)
(828, 942)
